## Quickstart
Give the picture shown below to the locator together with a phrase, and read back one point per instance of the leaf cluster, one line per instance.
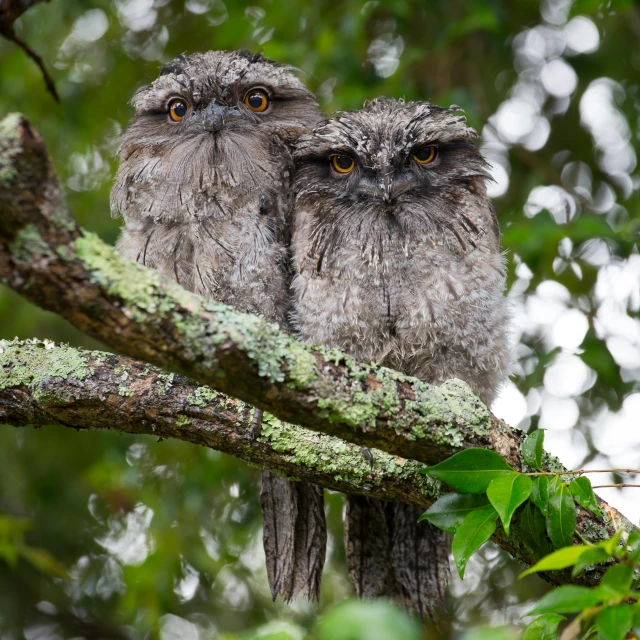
(488, 490)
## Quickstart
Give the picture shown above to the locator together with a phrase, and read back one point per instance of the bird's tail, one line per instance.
(391, 554)
(295, 536)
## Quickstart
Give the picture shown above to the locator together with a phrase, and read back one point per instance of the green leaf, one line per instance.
(594, 555)
(611, 545)
(471, 470)
(506, 493)
(566, 599)
(583, 494)
(474, 531)
(532, 449)
(634, 538)
(362, 619)
(449, 511)
(561, 521)
(489, 633)
(633, 541)
(533, 530)
(560, 559)
(8, 552)
(544, 627)
(617, 579)
(540, 493)
(613, 623)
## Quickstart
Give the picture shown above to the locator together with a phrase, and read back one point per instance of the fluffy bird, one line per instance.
(396, 249)
(204, 187)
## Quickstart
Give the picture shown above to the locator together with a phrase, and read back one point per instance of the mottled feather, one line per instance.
(400, 263)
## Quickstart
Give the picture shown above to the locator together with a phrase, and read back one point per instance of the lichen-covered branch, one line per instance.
(43, 384)
(47, 258)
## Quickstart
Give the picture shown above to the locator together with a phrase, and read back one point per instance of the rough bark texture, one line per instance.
(48, 259)
(379, 537)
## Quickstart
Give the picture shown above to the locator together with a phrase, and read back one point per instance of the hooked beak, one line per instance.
(391, 186)
(216, 116)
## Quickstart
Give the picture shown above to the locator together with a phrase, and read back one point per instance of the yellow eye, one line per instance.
(257, 100)
(178, 109)
(342, 164)
(426, 155)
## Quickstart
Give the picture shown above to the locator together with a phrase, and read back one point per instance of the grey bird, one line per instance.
(204, 188)
(396, 250)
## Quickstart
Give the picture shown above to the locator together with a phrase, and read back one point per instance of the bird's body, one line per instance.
(396, 250)
(204, 190)
(206, 199)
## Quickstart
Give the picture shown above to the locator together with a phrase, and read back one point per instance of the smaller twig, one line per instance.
(580, 472)
(48, 80)
(621, 484)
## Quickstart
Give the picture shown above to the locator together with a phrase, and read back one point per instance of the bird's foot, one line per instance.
(256, 425)
(367, 455)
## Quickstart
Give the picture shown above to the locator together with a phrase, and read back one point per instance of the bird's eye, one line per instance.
(257, 100)
(426, 155)
(178, 109)
(342, 164)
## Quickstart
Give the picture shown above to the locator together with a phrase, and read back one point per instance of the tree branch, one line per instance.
(10, 11)
(42, 383)
(47, 258)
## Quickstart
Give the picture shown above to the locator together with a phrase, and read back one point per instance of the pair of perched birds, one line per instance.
(370, 231)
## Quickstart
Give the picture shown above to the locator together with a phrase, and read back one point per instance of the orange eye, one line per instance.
(342, 164)
(426, 155)
(257, 100)
(178, 109)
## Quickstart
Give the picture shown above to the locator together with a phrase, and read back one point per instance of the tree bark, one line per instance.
(46, 257)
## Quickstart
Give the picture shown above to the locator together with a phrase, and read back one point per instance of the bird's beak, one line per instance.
(391, 185)
(216, 116)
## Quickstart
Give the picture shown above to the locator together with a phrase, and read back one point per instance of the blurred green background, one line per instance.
(162, 540)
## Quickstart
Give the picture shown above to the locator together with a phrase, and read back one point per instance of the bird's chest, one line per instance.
(381, 309)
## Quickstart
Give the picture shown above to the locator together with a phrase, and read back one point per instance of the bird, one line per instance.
(397, 261)
(204, 189)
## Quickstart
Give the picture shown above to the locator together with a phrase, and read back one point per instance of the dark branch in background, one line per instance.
(47, 258)
(10, 11)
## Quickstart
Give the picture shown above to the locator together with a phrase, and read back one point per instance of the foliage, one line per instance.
(611, 608)
(162, 539)
(481, 471)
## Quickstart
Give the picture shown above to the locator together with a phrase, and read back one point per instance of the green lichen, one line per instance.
(301, 365)
(165, 381)
(30, 362)
(9, 147)
(341, 460)
(125, 392)
(29, 243)
(145, 292)
(65, 252)
(182, 421)
(62, 219)
(202, 397)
